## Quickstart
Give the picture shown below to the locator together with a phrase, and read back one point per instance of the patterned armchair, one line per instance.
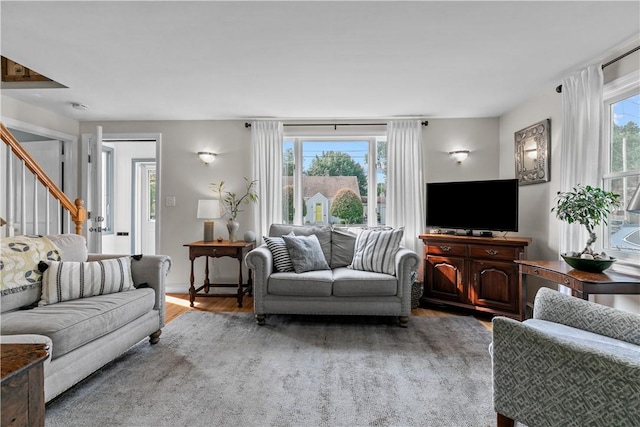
(576, 363)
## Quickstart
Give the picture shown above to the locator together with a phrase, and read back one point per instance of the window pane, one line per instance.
(287, 182)
(152, 194)
(625, 134)
(381, 181)
(334, 182)
(623, 231)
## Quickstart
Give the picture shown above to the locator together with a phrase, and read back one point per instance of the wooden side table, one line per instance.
(217, 249)
(22, 400)
(581, 283)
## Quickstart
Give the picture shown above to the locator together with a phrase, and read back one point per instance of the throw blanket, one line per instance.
(19, 258)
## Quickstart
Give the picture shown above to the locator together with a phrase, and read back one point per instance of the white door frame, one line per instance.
(157, 137)
(136, 183)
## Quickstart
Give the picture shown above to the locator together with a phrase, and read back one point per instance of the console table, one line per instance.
(23, 384)
(216, 249)
(581, 283)
(473, 272)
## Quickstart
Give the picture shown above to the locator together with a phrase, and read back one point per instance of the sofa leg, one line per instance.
(155, 337)
(260, 319)
(503, 421)
(404, 321)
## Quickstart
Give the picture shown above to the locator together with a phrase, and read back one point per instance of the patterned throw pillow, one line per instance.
(306, 253)
(376, 250)
(281, 258)
(64, 281)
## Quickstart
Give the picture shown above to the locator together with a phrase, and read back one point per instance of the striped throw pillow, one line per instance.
(376, 250)
(280, 253)
(64, 281)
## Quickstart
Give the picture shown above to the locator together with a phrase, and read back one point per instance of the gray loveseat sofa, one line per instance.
(83, 334)
(576, 363)
(336, 291)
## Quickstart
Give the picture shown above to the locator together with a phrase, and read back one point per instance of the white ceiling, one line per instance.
(156, 60)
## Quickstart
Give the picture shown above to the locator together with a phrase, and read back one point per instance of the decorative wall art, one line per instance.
(532, 152)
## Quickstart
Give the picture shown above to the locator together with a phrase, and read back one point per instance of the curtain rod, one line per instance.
(614, 60)
(335, 125)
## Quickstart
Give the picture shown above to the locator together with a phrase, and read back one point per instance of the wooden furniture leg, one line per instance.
(504, 421)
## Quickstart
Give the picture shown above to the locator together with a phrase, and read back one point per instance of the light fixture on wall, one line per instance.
(208, 210)
(206, 156)
(634, 204)
(459, 155)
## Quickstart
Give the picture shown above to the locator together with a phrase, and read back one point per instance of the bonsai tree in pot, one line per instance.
(588, 206)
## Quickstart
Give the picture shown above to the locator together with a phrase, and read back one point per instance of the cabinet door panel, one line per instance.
(494, 285)
(444, 278)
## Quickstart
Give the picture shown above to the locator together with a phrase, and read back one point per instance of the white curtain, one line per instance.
(266, 141)
(405, 183)
(582, 115)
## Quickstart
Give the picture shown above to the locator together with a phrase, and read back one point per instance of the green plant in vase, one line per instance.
(587, 206)
(231, 203)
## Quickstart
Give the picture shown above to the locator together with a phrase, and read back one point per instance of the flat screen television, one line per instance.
(490, 205)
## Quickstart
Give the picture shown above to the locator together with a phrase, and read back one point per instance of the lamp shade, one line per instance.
(208, 209)
(207, 156)
(634, 204)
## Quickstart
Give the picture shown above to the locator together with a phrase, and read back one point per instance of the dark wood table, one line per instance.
(217, 249)
(581, 283)
(22, 400)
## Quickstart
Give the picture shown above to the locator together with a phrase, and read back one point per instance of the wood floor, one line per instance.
(179, 303)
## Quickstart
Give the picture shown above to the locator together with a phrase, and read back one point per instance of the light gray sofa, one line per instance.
(337, 291)
(84, 334)
(576, 363)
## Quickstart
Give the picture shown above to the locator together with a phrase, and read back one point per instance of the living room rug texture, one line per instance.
(222, 369)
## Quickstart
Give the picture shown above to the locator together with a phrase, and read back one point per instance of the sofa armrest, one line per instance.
(150, 269)
(540, 379)
(556, 307)
(406, 262)
(260, 260)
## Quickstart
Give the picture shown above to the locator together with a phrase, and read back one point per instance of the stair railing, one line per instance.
(76, 209)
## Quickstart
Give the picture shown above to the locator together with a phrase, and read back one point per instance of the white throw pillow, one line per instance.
(376, 250)
(64, 281)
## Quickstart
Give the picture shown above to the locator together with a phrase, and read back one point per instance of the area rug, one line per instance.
(222, 369)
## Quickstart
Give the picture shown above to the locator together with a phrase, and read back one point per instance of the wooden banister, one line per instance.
(76, 208)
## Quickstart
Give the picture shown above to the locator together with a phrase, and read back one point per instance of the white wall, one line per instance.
(536, 200)
(479, 136)
(185, 177)
(21, 111)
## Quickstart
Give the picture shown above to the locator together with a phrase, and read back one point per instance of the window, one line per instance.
(622, 168)
(336, 183)
(107, 189)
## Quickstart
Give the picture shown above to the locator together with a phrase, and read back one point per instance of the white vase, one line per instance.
(232, 227)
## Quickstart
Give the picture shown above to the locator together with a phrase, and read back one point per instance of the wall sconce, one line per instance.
(206, 156)
(208, 210)
(459, 155)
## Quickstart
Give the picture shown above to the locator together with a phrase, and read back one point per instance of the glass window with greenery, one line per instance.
(335, 181)
(622, 169)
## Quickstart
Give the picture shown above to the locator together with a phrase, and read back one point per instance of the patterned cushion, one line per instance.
(281, 258)
(64, 281)
(306, 253)
(376, 250)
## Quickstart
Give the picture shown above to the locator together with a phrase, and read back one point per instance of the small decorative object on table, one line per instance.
(231, 203)
(588, 206)
(249, 236)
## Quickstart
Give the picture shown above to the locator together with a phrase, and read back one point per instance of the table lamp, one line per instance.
(208, 210)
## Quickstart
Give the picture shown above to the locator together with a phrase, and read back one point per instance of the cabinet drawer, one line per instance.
(493, 252)
(446, 249)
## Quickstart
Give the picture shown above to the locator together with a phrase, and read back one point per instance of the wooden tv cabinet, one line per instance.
(478, 273)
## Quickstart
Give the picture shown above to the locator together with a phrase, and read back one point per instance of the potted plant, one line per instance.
(231, 203)
(588, 206)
